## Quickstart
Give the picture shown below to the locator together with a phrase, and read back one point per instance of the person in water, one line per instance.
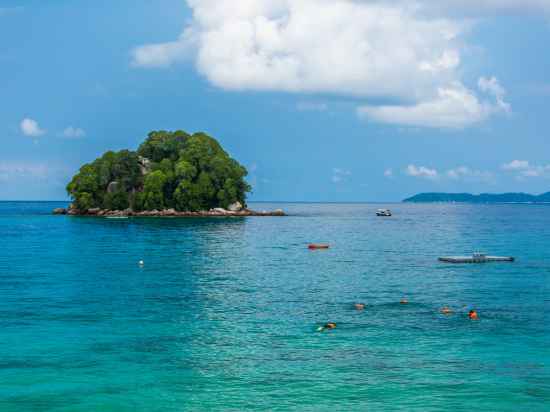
(359, 306)
(329, 325)
(473, 315)
(404, 301)
(446, 310)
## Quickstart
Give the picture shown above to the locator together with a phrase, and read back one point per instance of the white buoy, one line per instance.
(141, 263)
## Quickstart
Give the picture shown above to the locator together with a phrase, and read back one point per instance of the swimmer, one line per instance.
(404, 301)
(446, 310)
(359, 306)
(329, 325)
(473, 315)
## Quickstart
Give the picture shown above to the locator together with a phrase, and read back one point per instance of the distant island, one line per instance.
(171, 174)
(481, 198)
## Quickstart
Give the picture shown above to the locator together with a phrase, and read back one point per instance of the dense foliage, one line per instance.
(169, 170)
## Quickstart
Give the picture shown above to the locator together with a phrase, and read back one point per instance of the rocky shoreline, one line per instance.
(217, 212)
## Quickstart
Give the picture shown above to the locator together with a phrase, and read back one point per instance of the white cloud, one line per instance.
(524, 169)
(163, 54)
(466, 173)
(453, 107)
(9, 171)
(339, 175)
(30, 127)
(398, 50)
(422, 171)
(516, 165)
(492, 86)
(73, 132)
(460, 173)
(348, 47)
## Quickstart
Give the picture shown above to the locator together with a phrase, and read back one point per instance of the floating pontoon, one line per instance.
(476, 258)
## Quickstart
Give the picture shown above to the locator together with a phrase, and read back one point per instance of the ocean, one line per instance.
(223, 314)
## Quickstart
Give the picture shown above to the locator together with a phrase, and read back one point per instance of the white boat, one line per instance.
(383, 212)
(116, 217)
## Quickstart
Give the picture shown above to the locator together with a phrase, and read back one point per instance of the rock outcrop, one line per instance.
(112, 187)
(144, 165)
(235, 207)
(216, 212)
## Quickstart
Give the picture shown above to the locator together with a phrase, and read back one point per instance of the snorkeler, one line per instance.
(329, 325)
(473, 315)
(359, 306)
(446, 310)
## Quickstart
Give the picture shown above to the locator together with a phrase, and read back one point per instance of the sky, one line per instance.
(321, 100)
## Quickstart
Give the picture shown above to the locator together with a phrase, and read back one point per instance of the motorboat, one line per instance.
(383, 212)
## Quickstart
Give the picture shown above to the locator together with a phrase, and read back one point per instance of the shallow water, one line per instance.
(224, 312)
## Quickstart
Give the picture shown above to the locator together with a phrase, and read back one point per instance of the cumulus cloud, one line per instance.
(421, 171)
(454, 107)
(348, 47)
(524, 169)
(73, 132)
(30, 127)
(373, 49)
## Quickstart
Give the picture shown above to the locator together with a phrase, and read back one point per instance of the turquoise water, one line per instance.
(223, 314)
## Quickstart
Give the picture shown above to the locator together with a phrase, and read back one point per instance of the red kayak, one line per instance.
(318, 246)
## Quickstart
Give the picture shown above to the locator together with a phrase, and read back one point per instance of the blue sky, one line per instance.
(347, 100)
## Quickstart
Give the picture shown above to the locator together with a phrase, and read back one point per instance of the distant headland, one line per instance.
(481, 198)
(171, 174)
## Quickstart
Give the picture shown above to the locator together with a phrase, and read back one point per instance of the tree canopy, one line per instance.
(169, 170)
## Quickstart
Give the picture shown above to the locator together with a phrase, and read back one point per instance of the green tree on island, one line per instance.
(169, 170)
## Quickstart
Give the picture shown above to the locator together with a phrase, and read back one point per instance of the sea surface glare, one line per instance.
(223, 313)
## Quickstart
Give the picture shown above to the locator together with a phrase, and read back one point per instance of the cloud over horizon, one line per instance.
(524, 169)
(71, 132)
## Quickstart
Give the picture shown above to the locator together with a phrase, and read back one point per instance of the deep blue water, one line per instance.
(223, 314)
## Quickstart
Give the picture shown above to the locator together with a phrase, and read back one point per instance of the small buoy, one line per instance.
(473, 315)
(313, 246)
(141, 263)
(404, 301)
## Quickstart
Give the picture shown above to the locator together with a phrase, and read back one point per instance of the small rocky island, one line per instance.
(172, 174)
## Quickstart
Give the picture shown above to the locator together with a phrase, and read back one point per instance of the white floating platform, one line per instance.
(476, 259)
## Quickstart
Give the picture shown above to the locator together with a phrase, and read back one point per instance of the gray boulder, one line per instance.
(235, 207)
(113, 187)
